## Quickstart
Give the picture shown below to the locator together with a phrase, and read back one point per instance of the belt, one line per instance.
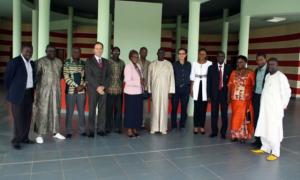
(201, 76)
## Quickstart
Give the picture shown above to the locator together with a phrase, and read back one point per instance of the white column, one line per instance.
(17, 27)
(225, 32)
(244, 31)
(43, 26)
(193, 37)
(178, 34)
(103, 25)
(34, 35)
(70, 32)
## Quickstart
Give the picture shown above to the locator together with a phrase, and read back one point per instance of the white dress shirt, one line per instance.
(222, 68)
(29, 83)
(199, 73)
(99, 60)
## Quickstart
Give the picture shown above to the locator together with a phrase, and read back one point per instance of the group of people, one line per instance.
(257, 98)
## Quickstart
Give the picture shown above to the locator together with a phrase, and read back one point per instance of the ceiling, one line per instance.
(211, 13)
(212, 9)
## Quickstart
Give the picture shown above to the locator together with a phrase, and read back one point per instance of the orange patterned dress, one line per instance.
(241, 89)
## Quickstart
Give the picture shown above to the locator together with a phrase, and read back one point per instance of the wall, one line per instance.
(282, 42)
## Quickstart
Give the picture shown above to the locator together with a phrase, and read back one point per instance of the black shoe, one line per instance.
(195, 132)
(91, 135)
(118, 131)
(234, 140)
(202, 132)
(17, 146)
(83, 134)
(68, 136)
(256, 144)
(101, 133)
(223, 136)
(107, 131)
(28, 141)
(212, 135)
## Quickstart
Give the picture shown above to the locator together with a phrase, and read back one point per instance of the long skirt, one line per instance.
(133, 111)
(240, 127)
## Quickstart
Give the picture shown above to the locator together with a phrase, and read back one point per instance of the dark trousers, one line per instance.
(114, 112)
(79, 101)
(22, 117)
(97, 100)
(220, 101)
(256, 106)
(200, 108)
(182, 96)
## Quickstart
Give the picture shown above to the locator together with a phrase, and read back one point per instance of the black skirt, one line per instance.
(133, 111)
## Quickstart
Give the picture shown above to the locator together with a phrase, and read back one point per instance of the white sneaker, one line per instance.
(59, 136)
(39, 140)
(164, 132)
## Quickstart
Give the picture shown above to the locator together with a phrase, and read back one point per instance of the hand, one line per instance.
(170, 95)
(208, 99)
(191, 93)
(100, 90)
(228, 100)
(80, 88)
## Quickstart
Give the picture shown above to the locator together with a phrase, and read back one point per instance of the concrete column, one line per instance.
(17, 28)
(178, 34)
(110, 34)
(224, 46)
(70, 32)
(103, 25)
(34, 31)
(193, 37)
(244, 31)
(43, 26)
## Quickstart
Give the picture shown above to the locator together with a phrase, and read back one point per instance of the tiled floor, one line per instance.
(174, 156)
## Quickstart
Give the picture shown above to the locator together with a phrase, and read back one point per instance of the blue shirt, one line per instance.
(182, 74)
(260, 75)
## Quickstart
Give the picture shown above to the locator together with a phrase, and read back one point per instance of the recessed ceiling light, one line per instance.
(276, 19)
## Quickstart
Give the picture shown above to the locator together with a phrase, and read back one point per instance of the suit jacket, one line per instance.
(213, 80)
(263, 80)
(15, 79)
(95, 76)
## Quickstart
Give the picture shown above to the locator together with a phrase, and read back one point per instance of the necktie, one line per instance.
(100, 63)
(220, 78)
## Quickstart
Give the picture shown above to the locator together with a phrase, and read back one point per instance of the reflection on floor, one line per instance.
(178, 155)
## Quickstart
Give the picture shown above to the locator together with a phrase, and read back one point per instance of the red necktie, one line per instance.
(220, 78)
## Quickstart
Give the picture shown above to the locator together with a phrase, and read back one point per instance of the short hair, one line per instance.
(143, 48)
(132, 52)
(202, 49)
(50, 46)
(221, 52)
(274, 59)
(244, 58)
(78, 48)
(262, 55)
(182, 49)
(27, 45)
(115, 48)
(98, 43)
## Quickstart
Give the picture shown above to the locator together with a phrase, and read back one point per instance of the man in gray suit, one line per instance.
(97, 76)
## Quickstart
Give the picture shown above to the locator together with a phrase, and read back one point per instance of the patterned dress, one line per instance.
(241, 88)
(46, 107)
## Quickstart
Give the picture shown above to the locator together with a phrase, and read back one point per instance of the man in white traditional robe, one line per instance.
(160, 84)
(274, 99)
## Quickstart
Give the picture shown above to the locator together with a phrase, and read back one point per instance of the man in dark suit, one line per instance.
(260, 73)
(217, 79)
(19, 83)
(97, 76)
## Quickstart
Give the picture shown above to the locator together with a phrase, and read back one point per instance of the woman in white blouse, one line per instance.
(198, 90)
